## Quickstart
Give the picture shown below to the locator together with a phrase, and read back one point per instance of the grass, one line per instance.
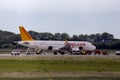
(60, 64)
(59, 68)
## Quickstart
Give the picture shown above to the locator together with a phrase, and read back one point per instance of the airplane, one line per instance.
(56, 46)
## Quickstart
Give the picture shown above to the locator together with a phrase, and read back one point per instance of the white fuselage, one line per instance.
(56, 45)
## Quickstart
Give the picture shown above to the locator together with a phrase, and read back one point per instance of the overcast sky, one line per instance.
(70, 16)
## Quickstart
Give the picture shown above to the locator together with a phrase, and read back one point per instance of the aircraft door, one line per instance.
(50, 47)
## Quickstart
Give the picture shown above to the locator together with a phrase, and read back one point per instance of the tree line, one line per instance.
(101, 41)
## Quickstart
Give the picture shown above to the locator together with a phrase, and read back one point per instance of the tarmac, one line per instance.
(51, 54)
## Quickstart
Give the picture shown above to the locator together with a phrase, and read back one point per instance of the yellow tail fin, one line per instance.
(25, 36)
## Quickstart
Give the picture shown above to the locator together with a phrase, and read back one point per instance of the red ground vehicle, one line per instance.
(97, 52)
(100, 52)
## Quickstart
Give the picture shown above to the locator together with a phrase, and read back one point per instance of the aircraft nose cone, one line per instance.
(93, 47)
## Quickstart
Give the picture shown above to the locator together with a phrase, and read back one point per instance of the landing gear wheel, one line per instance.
(62, 53)
(55, 53)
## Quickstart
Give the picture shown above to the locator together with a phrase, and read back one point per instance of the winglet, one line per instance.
(25, 36)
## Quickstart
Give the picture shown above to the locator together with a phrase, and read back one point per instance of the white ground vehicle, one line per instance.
(117, 52)
(15, 52)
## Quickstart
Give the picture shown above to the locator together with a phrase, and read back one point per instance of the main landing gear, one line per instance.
(61, 52)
